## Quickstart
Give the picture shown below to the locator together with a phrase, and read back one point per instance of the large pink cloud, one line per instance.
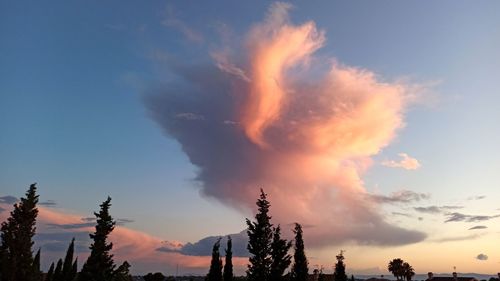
(270, 117)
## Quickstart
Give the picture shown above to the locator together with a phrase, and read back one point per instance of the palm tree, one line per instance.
(396, 268)
(408, 270)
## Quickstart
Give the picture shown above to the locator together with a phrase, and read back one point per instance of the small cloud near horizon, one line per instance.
(478, 227)
(482, 257)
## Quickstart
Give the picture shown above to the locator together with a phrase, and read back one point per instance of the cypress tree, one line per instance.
(279, 254)
(228, 266)
(299, 268)
(352, 278)
(36, 266)
(259, 242)
(215, 272)
(339, 274)
(74, 269)
(50, 273)
(100, 265)
(58, 271)
(16, 255)
(67, 269)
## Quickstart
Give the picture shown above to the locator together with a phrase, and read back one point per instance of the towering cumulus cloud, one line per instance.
(275, 120)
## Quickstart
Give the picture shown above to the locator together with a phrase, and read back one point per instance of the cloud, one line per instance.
(403, 196)
(401, 214)
(480, 197)
(189, 116)
(457, 217)
(303, 134)
(204, 246)
(436, 209)
(407, 163)
(478, 227)
(457, 238)
(8, 199)
(173, 21)
(48, 203)
(482, 257)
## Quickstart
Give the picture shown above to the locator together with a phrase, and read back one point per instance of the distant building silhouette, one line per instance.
(454, 277)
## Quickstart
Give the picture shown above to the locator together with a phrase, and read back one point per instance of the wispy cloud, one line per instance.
(478, 227)
(458, 238)
(48, 203)
(436, 209)
(8, 199)
(407, 162)
(173, 21)
(479, 197)
(458, 217)
(402, 196)
(189, 116)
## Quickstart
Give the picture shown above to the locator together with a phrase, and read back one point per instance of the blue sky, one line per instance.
(72, 116)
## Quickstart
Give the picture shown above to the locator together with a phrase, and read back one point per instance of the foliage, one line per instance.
(16, 255)
(279, 254)
(215, 272)
(100, 265)
(299, 267)
(158, 276)
(228, 266)
(339, 274)
(259, 242)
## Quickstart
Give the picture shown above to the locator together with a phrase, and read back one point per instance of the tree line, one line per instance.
(269, 258)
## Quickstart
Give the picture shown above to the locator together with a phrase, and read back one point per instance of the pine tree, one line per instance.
(259, 242)
(215, 272)
(122, 273)
(50, 273)
(67, 270)
(279, 254)
(16, 255)
(100, 265)
(228, 266)
(339, 274)
(299, 268)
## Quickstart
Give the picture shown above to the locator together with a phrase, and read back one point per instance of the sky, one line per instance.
(372, 123)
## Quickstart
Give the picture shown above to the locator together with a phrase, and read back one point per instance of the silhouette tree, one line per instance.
(339, 274)
(215, 272)
(50, 273)
(67, 269)
(279, 255)
(16, 255)
(100, 265)
(259, 242)
(321, 275)
(396, 268)
(299, 267)
(352, 278)
(158, 276)
(122, 273)
(408, 271)
(228, 266)
(36, 266)
(58, 271)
